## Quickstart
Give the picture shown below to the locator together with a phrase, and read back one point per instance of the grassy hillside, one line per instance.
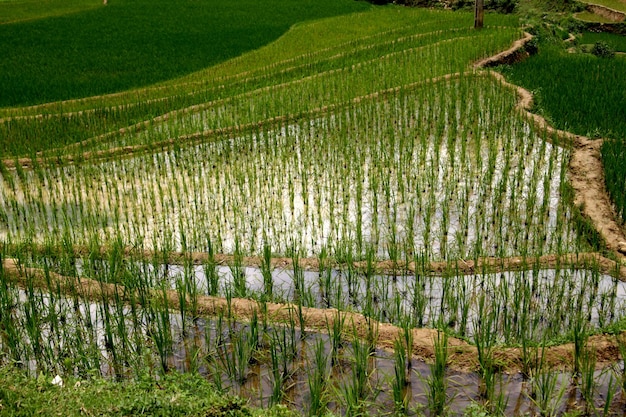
(89, 50)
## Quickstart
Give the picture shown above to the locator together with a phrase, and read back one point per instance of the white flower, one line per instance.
(57, 381)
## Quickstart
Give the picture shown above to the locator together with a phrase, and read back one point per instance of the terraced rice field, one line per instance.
(331, 195)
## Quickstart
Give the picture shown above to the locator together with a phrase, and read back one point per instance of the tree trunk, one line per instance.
(479, 12)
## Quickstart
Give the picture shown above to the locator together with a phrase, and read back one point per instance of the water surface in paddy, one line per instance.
(422, 171)
(206, 344)
(549, 300)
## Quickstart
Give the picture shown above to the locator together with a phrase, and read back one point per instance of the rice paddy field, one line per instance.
(617, 42)
(618, 5)
(601, 87)
(353, 219)
(587, 16)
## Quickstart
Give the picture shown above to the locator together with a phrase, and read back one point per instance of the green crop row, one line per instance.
(585, 95)
(424, 36)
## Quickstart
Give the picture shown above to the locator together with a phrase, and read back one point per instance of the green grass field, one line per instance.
(617, 42)
(56, 51)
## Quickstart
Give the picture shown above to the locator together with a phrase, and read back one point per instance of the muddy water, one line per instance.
(601, 297)
(463, 389)
(207, 345)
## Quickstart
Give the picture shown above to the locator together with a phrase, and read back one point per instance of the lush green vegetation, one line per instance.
(355, 141)
(128, 44)
(584, 94)
(619, 5)
(174, 394)
(617, 42)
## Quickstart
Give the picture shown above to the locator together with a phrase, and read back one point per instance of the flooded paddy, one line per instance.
(395, 177)
(270, 363)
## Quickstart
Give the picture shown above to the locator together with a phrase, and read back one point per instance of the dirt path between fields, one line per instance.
(462, 355)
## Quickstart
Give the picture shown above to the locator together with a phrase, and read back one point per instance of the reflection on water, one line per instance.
(253, 358)
(544, 300)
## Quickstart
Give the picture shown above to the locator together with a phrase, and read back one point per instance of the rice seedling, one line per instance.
(437, 382)
(547, 392)
(236, 356)
(238, 273)
(587, 383)
(266, 271)
(580, 335)
(357, 389)
(317, 380)
(400, 383)
(609, 397)
(161, 332)
(210, 270)
(490, 388)
(278, 373)
(335, 333)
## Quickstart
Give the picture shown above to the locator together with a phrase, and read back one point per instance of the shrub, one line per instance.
(502, 6)
(573, 25)
(602, 49)
(532, 46)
